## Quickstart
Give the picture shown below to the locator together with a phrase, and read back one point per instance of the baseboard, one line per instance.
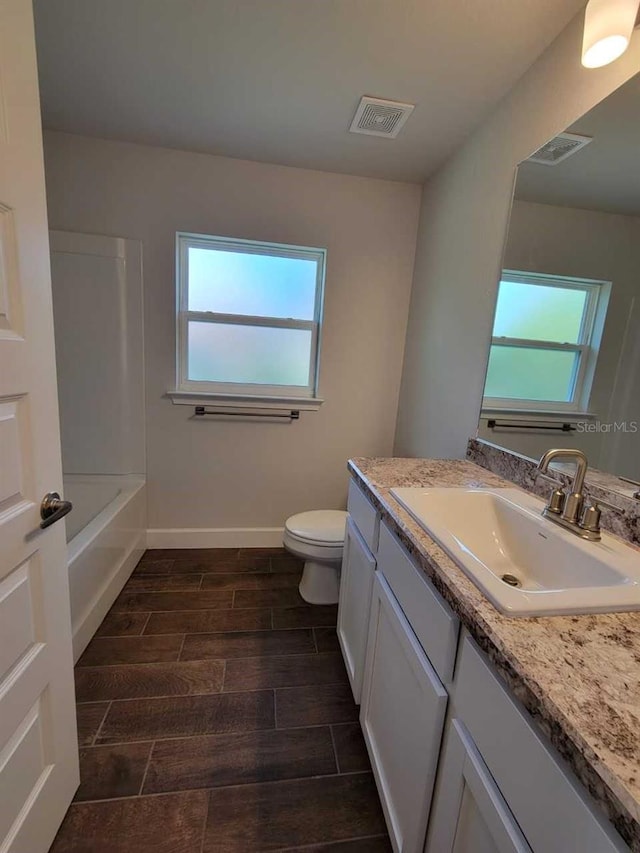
(215, 537)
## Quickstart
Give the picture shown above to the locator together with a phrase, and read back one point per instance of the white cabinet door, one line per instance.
(38, 746)
(356, 581)
(470, 814)
(402, 717)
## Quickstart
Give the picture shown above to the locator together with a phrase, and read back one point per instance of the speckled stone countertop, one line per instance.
(578, 676)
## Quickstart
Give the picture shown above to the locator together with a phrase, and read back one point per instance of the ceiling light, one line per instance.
(608, 25)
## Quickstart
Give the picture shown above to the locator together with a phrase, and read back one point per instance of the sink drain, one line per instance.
(512, 580)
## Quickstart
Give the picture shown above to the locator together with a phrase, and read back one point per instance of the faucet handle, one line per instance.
(591, 518)
(555, 504)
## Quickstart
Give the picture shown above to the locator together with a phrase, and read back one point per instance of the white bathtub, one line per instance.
(106, 534)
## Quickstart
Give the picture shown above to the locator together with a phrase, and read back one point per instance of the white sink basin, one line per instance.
(493, 533)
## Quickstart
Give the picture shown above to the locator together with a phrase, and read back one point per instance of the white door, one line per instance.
(38, 745)
(356, 581)
(402, 718)
(470, 814)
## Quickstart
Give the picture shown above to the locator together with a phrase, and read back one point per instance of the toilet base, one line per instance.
(320, 583)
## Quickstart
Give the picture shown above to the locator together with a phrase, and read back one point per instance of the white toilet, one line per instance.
(317, 537)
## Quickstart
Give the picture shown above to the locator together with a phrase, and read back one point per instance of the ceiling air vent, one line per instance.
(376, 117)
(559, 148)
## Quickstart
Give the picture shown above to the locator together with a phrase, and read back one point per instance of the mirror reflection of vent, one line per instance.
(559, 148)
(377, 117)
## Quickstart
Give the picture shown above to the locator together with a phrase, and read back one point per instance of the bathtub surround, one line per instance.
(575, 675)
(463, 223)
(96, 282)
(98, 305)
(203, 485)
(620, 510)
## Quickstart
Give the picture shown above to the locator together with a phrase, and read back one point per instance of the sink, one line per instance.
(524, 564)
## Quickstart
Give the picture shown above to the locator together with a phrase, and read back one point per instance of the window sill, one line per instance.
(244, 401)
(538, 414)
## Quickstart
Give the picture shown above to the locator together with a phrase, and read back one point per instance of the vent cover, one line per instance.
(559, 148)
(376, 117)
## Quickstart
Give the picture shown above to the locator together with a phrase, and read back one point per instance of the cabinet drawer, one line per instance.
(364, 516)
(432, 620)
(555, 813)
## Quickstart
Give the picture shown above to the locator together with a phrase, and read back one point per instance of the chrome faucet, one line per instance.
(568, 510)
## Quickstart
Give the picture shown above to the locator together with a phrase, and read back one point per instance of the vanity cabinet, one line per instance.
(459, 765)
(500, 783)
(356, 582)
(471, 815)
(402, 717)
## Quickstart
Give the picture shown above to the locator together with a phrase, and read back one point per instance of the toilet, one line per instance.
(317, 537)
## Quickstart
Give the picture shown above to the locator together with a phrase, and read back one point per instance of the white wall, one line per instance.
(207, 474)
(580, 244)
(462, 229)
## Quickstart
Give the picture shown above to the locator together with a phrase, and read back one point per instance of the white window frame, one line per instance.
(587, 347)
(188, 390)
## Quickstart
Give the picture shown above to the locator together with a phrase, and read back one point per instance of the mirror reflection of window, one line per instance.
(544, 350)
(564, 357)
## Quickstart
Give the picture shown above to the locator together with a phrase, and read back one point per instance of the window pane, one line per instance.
(539, 312)
(249, 284)
(221, 352)
(522, 373)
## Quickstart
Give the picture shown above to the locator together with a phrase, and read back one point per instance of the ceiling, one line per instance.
(279, 80)
(605, 174)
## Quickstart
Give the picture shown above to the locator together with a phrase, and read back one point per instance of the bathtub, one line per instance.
(106, 536)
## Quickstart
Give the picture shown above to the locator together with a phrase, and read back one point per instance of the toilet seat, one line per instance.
(312, 550)
(324, 528)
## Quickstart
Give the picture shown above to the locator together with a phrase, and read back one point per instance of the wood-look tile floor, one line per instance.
(215, 716)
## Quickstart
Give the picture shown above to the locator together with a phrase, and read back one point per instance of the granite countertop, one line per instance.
(578, 676)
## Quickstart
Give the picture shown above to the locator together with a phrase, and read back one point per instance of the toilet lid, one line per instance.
(325, 526)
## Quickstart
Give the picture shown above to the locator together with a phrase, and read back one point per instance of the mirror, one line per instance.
(564, 361)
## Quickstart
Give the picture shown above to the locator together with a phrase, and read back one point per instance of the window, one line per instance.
(544, 343)
(249, 317)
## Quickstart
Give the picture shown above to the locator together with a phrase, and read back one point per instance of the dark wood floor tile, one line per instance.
(283, 671)
(351, 750)
(274, 815)
(89, 717)
(379, 844)
(148, 582)
(200, 566)
(315, 705)
(327, 639)
(153, 566)
(238, 759)
(112, 771)
(256, 559)
(247, 644)
(267, 598)
(186, 716)
(122, 625)
(209, 555)
(207, 621)
(163, 601)
(135, 681)
(168, 824)
(283, 561)
(251, 580)
(305, 617)
(108, 651)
